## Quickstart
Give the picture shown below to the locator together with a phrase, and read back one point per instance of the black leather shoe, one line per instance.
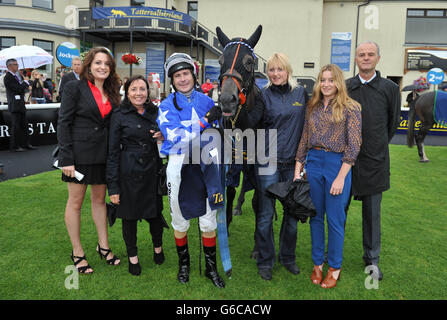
(375, 271)
(30, 147)
(265, 273)
(292, 268)
(159, 258)
(135, 269)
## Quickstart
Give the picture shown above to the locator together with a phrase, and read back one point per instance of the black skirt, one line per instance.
(93, 174)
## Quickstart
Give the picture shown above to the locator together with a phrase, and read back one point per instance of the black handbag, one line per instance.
(162, 188)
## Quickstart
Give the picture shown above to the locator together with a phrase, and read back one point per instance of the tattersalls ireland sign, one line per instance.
(141, 12)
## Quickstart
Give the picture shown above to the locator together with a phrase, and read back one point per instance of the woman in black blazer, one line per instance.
(82, 134)
(133, 164)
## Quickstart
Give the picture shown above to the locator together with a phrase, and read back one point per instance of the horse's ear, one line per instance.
(223, 39)
(253, 40)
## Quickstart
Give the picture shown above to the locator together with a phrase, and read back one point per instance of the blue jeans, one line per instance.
(264, 230)
(322, 169)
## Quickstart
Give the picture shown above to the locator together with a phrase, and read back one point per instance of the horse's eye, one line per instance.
(221, 60)
(248, 62)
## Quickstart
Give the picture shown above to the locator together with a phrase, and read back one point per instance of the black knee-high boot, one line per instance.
(183, 263)
(211, 267)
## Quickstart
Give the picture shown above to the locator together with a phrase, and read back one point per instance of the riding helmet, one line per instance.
(179, 61)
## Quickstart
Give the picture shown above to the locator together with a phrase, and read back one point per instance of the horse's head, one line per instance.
(237, 65)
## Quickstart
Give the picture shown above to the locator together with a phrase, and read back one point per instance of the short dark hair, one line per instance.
(9, 61)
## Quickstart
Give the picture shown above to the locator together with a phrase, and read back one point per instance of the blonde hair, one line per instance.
(341, 101)
(281, 60)
(33, 77)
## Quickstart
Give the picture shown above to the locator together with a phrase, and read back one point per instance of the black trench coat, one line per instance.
(380, 100)
(133, 163)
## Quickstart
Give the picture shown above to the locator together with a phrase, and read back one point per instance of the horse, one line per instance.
(240, 100)
(422, 106)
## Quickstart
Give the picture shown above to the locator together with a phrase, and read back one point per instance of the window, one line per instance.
(424, 26)
(45, 4)
(96, 3)
(7, 1)
(6, 42)
(48, 47)
(137, 3)
(193, 9)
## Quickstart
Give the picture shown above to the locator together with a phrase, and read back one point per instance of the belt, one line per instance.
(320, 148)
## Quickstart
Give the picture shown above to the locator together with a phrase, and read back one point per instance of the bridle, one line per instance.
(242, 89)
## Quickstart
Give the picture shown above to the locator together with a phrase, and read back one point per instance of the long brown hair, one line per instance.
(341, 100)
(111, 84)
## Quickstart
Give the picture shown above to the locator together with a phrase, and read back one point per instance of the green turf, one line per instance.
(35, 249)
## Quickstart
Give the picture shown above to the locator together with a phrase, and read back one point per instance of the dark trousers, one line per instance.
(371, 227)
(130, 234)
(19, 131)
(264, 222)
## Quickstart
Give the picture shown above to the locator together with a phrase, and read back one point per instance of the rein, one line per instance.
(237, 80)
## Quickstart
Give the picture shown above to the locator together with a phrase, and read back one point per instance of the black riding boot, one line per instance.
(211, 267)
(183, 263)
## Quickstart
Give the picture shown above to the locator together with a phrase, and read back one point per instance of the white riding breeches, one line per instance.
(207, 222)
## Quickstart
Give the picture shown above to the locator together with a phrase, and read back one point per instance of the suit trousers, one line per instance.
(322, 169)
(371, 227)
(130, 234)
(19, 131)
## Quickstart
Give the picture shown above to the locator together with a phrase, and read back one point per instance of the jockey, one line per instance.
(183, 115)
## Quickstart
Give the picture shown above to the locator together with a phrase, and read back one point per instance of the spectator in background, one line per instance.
(154, 90)
(3, 98)
(214, 92)
(207, 86)
(123, 83)
(76, 65)
(37, 85)
(16, 86)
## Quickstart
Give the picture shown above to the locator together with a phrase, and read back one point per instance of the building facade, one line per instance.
(411, 34)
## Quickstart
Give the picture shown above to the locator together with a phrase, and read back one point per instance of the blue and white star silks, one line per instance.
(179, 127)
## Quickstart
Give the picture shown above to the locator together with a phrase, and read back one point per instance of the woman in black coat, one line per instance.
(82, 133)
(132, 168)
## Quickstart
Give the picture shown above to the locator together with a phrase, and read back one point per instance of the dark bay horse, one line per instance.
(240, 99)
(422, 106)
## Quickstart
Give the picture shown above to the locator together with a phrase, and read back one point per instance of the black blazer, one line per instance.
(82, 132)
(65, 79)
(15, 93)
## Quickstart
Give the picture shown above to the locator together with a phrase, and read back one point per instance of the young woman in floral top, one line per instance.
(329, 146)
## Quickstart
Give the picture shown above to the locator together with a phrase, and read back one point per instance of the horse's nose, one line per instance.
(228, 99)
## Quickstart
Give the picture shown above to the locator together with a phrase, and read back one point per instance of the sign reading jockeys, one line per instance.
(141, 12)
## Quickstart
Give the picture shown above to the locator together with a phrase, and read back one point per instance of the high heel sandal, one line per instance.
(82, 269)
(317, 275)
(330, 281)
(110, 261)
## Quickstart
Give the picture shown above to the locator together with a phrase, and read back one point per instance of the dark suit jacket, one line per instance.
(13, 90)
(65, 79)
(82, 132)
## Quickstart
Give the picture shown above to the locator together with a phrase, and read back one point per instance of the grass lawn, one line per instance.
(35, 248)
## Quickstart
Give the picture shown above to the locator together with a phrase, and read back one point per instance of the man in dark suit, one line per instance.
(15, 93)
(76, 66)
(380, 99)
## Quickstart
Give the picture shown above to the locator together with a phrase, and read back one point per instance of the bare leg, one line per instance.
(99, 215)
(76, 193)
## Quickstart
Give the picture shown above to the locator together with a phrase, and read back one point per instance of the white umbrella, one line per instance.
(26, 56)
